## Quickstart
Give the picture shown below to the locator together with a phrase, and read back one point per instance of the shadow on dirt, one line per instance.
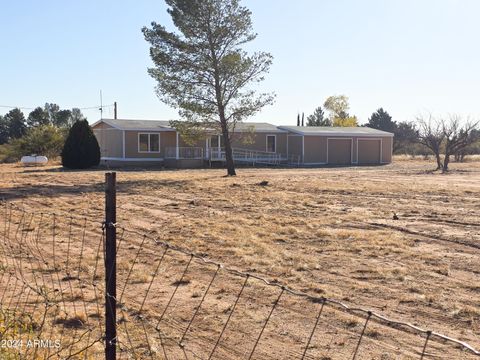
(53, 190)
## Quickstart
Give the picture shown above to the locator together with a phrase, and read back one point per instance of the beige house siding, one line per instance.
(369, 151)
(354, 149)
(295, 146)
(315, 149)
(167, 139)
(387, 148)
(340, 151)
(110, 141)
(258, 142)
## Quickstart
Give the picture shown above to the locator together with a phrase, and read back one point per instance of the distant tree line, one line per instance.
(406, 135)
(14, 124)
(441, 137)
(444, 137)
(43, 131)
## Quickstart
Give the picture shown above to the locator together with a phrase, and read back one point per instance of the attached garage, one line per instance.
(147, 142)
(339, 151)
(369, 151)
(341, 145)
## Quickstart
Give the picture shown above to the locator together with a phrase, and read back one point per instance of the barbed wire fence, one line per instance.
(171, 303)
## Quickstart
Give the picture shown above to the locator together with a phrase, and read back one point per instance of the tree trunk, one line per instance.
(436, 151)
(446, 161)
(223, 121)
(439, 161)
(228, 152)
(228, 146)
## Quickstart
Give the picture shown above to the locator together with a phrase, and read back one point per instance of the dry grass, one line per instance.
(405, 157)
(324, 231)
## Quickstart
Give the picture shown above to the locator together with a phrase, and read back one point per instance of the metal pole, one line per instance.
(110, 266)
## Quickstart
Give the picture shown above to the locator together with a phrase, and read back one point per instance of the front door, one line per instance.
(215, 146)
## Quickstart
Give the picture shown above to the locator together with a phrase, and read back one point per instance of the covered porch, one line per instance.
(199, 155)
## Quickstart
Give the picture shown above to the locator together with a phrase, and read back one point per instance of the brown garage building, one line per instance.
(339, 145)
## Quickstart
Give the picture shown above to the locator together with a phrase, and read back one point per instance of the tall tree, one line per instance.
(430, 134)
(14, 121)
(62, 118)
(473, 148)
(38, 117)
(345, 121)
(3, 131)
(448, 135)
(67, 118)
(338, 107)
(406, 134)
(381, 120)
(52, 110)
(203, 70)
(76, 115)
(318, 118)
(458, 136)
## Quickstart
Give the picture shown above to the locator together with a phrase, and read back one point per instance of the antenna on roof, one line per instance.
(101, 106)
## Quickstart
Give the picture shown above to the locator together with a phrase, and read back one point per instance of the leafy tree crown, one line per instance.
(203, 70)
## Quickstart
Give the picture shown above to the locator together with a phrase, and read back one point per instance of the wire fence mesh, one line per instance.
(51, 280)
(174, 304)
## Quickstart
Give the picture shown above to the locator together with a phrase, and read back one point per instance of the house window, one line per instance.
(214, 141)
(271, 143)
(217, 141)
(149, 143)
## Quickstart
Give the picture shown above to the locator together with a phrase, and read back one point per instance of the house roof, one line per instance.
(258, 127)
(335, 131)
(164, 125)
(142, 125)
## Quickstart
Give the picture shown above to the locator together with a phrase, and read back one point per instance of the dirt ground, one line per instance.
(399, 239)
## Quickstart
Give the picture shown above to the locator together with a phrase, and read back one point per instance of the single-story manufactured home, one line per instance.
(141, 142)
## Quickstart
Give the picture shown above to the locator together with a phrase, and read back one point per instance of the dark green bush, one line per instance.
(81, 149)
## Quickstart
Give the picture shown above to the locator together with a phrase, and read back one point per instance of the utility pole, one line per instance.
(115, 110)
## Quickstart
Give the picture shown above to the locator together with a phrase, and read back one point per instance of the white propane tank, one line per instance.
(34, 160)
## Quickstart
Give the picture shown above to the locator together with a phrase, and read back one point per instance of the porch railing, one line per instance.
(184, 153)
(246, 155)
(239, 155)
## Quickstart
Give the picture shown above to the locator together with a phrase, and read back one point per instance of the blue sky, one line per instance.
(408, 56)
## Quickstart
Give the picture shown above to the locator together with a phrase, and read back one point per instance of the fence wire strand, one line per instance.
(174, 303)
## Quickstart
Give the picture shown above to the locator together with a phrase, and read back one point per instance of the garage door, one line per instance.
(339, 151)
(369, 151)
